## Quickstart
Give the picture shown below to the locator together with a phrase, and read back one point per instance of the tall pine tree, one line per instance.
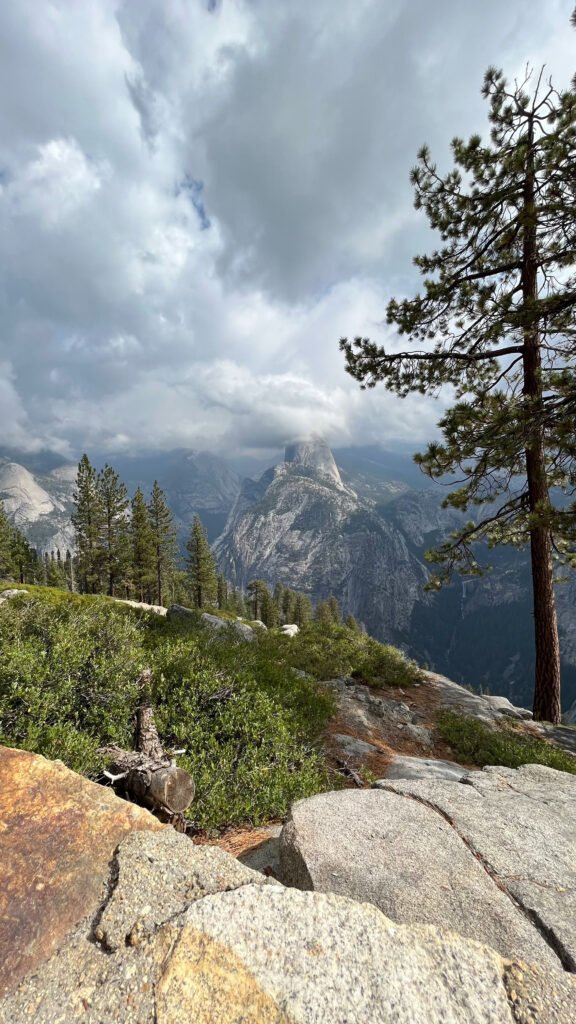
(201, 566)
(163, 539)
(114, 539)
(496, 321)
(87, 522)
(144, 575)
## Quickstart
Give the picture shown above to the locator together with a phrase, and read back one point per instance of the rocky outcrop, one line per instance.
(170, 932)
(39, 505)
(491, 855)
(301, 526)
(58, 835)
(214, 623)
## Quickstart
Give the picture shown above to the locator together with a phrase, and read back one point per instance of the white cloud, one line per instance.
(197, 200)
(55, 184)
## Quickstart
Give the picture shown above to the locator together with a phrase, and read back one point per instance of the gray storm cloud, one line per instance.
(197, 199)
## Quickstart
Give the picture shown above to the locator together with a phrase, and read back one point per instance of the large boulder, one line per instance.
(234, 950)
(407, 859)
(521, 825)
(171, 932)
(57, 839)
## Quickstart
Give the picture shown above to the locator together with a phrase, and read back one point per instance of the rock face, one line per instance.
(39, 505)
(493, 858)
(171, 932)
(300, 525)
(59, 832)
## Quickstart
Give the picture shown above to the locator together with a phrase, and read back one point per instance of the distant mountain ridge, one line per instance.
(306, 526)
(350, 523)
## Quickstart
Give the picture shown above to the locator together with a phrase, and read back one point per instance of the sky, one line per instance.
(198, 198)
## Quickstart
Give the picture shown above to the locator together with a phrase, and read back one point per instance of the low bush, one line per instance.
(325, 651)
(68, 684)
(477, 743)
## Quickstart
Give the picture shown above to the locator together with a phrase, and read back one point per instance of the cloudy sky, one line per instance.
(199, 197)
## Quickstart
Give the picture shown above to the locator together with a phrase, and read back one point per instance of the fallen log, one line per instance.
(147, 775)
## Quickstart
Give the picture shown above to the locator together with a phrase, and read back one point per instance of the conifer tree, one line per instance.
(302, 612)
(222, 596)
(201, 566)
(352, 624)
(269, 610)
(6, 559)
(288, 602)
(163, 539)
(334, 610)
(496, 321)
(114, 538)
(70, 571)
(143, 563)
(322, 612)
(87, 522)
(258, 592)
(23, 560)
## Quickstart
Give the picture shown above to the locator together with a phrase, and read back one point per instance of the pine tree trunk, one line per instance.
(547, 649)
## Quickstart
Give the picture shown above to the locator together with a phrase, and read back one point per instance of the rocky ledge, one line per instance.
(109, 917)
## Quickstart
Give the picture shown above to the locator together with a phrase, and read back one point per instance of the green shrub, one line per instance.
(68, 684)
(481, 744)
(325, 651)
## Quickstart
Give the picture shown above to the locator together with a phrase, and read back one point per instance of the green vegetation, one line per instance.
(250, 727)
(325, 651)
(477, 743)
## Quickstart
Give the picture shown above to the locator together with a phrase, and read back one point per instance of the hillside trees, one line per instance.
(87, 522)
(114, 536)
(201, 566)
(495, 321)
(163, 539)
(144, 574)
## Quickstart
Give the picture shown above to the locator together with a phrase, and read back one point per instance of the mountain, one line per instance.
(327, 526)
(39, 504)
(37, 490)
(193, 482)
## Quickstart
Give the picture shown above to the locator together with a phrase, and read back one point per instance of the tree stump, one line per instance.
(147, 775)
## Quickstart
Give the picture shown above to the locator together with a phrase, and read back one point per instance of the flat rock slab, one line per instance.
(522, 824)
(421, 768)
(478, 705)
(379, 847)
(58, 834)
(244, 953)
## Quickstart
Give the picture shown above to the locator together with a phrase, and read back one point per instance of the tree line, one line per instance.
(128, 548)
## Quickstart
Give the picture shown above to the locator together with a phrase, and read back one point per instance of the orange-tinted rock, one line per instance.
(58, 833)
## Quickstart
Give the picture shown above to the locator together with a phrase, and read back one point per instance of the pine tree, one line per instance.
(87, 522)
(7, 567)
(23, 560)
(496, 320)
(257, 591)
(352, 624)
(70, 571)
(163, 539)
(114, 539)
(201, 566)
(322, 612)
(222, 598)
(302, 612)
(269, 610)
(143, 563)
(288, 602)
(334, 610)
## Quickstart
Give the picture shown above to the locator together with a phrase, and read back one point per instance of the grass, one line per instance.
(477, 743)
